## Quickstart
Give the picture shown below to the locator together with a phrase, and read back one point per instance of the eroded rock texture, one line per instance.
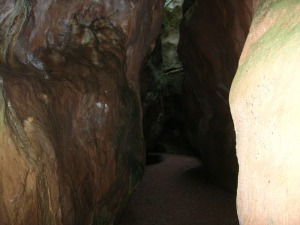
(212, 37)
(264, 101)
(71, 147)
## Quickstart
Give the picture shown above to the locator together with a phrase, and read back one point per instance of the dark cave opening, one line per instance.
(161, 90)
(175, 114)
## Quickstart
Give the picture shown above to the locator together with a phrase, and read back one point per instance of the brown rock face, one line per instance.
(212, 37)
(71, 148)
(264, 100)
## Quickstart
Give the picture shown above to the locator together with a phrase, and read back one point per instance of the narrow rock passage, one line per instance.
(175, 192)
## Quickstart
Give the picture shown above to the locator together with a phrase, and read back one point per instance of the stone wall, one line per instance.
(264, 100)
(71, 143)
(211, 40)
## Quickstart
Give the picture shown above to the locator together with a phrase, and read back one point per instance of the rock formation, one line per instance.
(71, 148)
(212, 37)
(264, 100)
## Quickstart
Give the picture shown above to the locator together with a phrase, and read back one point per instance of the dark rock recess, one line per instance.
(211, 40)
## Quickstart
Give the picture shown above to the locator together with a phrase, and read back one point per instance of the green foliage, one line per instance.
(171, 17)
(168, 2)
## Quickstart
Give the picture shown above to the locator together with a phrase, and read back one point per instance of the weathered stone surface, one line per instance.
(264, 100)
(71, 148)
(212, 37)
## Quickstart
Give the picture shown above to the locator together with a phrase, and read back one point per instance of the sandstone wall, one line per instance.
(211, 40)
(71, 145)
(264, 100)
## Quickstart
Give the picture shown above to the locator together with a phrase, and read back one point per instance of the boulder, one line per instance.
(264, 100)
(71, 143)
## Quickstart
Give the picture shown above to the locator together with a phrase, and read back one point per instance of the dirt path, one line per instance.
(175, 192)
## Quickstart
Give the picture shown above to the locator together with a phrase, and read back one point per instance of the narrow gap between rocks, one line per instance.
(175, 189)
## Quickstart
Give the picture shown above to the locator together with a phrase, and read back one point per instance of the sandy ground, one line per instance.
(175, 192)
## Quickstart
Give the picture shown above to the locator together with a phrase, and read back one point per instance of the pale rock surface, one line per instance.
(264, 100)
